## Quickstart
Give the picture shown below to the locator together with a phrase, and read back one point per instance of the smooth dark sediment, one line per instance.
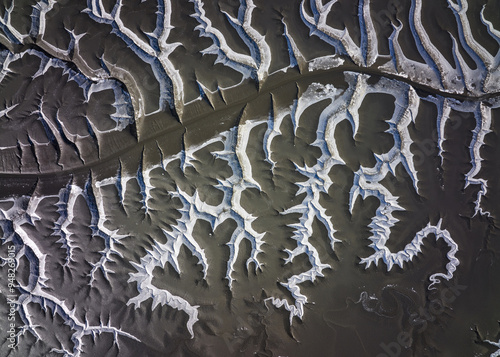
(251, 178)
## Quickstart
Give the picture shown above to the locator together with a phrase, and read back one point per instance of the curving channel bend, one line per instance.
(249, 178)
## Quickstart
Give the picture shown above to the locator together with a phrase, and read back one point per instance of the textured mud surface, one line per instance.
(241, 178)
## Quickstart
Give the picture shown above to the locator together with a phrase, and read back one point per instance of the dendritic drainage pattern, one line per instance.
(20, 215)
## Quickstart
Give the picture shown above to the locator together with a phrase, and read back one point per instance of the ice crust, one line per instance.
(15, 220)
(339, 105)
(59, 127)
(496, 344)
(155, 53)
(156, 50)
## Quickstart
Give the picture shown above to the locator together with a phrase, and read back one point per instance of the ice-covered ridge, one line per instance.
(156, 48)
(310, 208)
(273, 129)
(443, 115)
(368, 181)
(493, 32)
(406, 109)
(159, 254)
(147, 290)
(9, 31)
(17, 221)
(483, 126)
(111, 237)
(432, 56)
(296, 56)
(155, 53)
(482, 117)
(256, 42)
(317, 183)
(182, 233)
(340, 105)
(193, 209)
(413, 248)
(257, 64)
(496, 344)
(369, 41)
(347, 110)
(234, 153)
(405, 67)
(67, 201)
(342, 41)
(39, 16)
(483, 59)
(70, 318)
(63, 129)
(135, 189)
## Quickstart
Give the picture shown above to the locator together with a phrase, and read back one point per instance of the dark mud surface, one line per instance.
(249, 178)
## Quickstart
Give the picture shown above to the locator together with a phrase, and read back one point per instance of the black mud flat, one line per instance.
(249, 178)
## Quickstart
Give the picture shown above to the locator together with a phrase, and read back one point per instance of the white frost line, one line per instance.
(244, 130)
(38, 293)
(322, 30)
(259, 40)
(402, 127)
(444, 110)
(160, 296)
(318, 182)
(496, 344)
(98, 13)
(448, 74)
(404, 67)
(231, 207)
(371, 50)
(219, 42)
(111, 237)
(460, 10)
(66, 209)
(413, 248)
(347, 109)
(481, 56)
(483, 127)
(6, 22)
(299, 57)
(493, 32)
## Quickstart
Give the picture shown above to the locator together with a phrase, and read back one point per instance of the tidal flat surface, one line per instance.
(249, 178)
